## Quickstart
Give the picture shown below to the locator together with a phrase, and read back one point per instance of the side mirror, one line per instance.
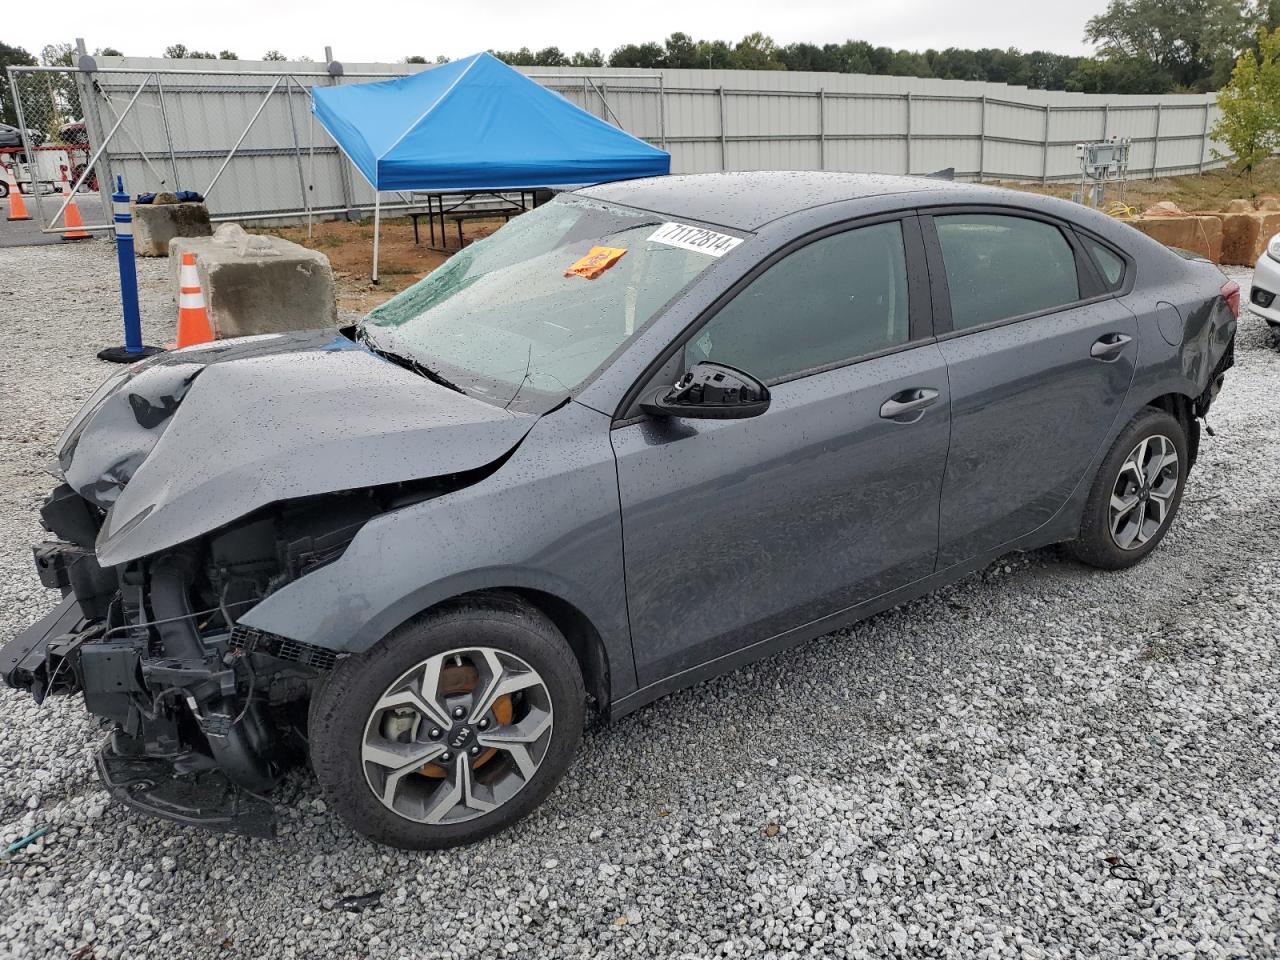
(710, 391)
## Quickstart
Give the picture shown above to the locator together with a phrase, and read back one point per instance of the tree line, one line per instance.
(1142, 46)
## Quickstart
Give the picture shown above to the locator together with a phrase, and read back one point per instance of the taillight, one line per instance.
(1231, 293)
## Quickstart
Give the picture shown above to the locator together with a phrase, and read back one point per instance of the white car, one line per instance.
(1264, 298)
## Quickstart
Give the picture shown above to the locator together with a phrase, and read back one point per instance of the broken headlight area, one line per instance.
(205, 715)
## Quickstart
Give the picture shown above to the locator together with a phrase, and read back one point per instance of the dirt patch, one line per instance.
(402, 263)
(1211, 190)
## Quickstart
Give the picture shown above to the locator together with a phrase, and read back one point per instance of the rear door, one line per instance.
(1040, 356)
(735, 531)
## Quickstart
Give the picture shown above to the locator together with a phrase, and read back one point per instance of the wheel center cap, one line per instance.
(461, 736)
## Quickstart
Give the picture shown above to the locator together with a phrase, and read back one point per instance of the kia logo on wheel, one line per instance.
(461, 737)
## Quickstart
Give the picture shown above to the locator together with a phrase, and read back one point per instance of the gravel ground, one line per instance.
(1041, 761)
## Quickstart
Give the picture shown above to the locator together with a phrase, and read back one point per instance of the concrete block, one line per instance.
(155, 224)
(1245, 236)
(258, 284)
(1199, 234)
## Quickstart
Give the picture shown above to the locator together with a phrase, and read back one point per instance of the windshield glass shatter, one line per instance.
(509, 320)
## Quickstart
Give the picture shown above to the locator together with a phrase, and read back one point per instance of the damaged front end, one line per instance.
(205, 715)
(194, 486)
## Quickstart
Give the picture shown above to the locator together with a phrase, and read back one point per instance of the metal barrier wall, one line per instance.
(242, 133)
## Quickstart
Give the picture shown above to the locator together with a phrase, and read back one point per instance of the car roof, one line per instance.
(750, 199)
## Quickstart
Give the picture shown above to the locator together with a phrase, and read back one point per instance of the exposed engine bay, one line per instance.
(205, 714)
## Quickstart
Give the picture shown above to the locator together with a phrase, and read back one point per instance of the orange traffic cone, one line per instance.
(71, 220)
(193, 321)
(17, 206)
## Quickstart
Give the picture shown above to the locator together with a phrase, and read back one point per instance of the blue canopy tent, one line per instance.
(475, 124)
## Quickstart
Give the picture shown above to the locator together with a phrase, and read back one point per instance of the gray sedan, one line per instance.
(641, 435)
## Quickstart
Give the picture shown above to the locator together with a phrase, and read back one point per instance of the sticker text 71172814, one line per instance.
(698, 239)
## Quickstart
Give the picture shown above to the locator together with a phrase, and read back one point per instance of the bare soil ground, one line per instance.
(1211, 190)
(349, 247)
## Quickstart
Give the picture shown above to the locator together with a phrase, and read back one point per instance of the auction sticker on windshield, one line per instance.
(698, 239)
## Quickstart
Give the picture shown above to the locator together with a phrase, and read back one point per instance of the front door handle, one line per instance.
(908, 405)
(1109, 347)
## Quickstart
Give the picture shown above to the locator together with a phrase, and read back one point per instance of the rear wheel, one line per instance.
(453, 727)
(1135, 494)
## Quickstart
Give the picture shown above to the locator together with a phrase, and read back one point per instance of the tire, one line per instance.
(493, 637)
(1137, 534)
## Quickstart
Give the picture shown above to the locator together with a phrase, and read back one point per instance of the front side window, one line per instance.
(838, 298)
(1000, 267)
(525, 316)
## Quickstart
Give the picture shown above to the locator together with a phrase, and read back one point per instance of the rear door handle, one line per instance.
(1109, 347)
(907, 405)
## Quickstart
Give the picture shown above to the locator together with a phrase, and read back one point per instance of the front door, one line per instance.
(735, 531)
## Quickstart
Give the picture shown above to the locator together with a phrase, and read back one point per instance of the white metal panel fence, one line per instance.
(243, 132)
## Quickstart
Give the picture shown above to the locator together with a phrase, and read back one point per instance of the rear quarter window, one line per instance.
(1110, 264)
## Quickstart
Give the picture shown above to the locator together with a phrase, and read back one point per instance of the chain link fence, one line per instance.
(55, 151)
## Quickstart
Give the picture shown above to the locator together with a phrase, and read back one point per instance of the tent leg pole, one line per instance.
(377, 230)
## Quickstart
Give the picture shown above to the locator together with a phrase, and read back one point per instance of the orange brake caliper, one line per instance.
(463, 678)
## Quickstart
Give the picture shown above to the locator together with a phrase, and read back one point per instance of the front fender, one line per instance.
(549, 519)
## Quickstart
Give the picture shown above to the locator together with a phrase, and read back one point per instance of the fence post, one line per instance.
(335, 70)
(662, 114)
(87, 89)
(1204, 138)
(1106, 119)
(297, 144)
(822, 128)
(168, 135)
(982, 139)
(908, 170)
(724, 161)
(32, 173)
(1044, 156)
(1155, 147)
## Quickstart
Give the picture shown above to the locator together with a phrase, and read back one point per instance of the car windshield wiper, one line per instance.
(408, 363)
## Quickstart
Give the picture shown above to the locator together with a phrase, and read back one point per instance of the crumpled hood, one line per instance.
(189, 441)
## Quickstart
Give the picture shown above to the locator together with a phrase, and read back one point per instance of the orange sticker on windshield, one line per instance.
(596, 262)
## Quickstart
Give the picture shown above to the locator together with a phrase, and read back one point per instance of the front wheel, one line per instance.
(1135, 494)
(452, 727)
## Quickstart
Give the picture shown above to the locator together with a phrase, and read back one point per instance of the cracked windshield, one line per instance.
(523, 317)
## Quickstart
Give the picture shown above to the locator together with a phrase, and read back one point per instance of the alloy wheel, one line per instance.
(457, 736)
(1144, 492)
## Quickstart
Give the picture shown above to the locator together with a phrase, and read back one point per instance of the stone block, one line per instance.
(1245, 236)
(155, 224)
(1199, 234)
(258, 284)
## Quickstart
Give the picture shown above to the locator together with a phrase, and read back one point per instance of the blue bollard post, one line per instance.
(133, 348)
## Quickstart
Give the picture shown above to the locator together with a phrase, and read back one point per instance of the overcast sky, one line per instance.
(389, 30)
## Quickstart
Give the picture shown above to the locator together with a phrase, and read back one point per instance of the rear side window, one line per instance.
(1110, 264)
(1002, 266)
(838, 298)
